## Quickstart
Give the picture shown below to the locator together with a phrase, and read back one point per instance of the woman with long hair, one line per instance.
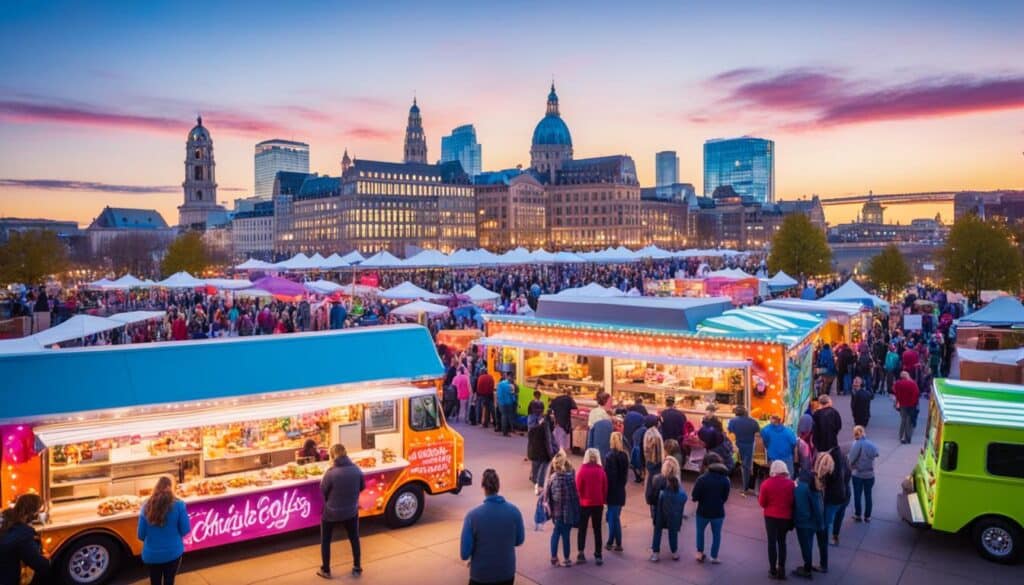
(616, 468)
(163, 523)
(563, 505)
(19, 542)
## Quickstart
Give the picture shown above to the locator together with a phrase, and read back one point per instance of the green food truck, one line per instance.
(970, 474)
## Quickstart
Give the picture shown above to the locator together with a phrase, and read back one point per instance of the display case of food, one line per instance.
(693, 387)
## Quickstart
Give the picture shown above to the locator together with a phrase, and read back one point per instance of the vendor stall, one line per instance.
(766, 369)
(246, 447)
(844, 321)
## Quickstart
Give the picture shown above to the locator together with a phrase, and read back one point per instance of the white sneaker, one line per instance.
(654, 558)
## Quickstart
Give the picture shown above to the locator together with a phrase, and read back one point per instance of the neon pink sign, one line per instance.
(235, 518)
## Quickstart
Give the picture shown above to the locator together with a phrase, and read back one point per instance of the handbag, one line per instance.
(541, 514)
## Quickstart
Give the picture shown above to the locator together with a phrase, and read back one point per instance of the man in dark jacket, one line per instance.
(562, 407)
(672, 421)
(490, 534)
(827, 424)
(340, 486)
(860, 403)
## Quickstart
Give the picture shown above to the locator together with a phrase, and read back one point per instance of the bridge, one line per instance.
(930, 197)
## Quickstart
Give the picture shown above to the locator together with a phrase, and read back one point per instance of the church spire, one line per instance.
(346, 162)
(553, 101)
(415, 140)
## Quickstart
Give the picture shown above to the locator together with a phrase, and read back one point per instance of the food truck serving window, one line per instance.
(693, 386)
(423, 415)
(553, 372)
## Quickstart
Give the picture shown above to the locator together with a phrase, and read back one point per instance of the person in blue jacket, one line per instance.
(808, 518)
(506, 395)
(163, 524)
(490, 534)
(779, 442)
(710, 492)
(669, 516)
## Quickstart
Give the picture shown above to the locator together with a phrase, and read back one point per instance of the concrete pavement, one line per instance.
(884, 551)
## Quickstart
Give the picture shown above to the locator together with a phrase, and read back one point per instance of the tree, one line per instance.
(889, 270)
(980, 255)
(187, 252)
(800, 249)
(29, 257)
(133, 252)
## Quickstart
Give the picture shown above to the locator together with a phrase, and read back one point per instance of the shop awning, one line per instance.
(167, 420)
(498, 341)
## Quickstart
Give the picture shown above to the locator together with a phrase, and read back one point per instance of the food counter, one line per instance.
(692, 387)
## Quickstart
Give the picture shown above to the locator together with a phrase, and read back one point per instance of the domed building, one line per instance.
(552, 143)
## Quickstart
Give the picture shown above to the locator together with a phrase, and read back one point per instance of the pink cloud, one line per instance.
(821, 99)
(370, 133)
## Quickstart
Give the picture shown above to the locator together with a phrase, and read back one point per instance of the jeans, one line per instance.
(673, 540)
(776, 529)
(847, 383)
(862, 486)
(906, 423)
(614, 517)
(561, 532)
(539, 472)
(326, 534)
(746, 453)
(593, 514)
(837, 520)
(508, 414)
(805, 536)
(716, 534)
(485, 408)
(163, 573)
(464, 410)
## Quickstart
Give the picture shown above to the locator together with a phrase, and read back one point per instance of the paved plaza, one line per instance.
(884, 551)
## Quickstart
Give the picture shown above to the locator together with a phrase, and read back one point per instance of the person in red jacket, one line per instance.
(776, 497)
(179, 329)
(907, 394)
(485, 398)
(592, 485)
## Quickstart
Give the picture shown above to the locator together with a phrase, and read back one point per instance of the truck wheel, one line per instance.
(90, 560)
(998, 540)
(405, 506)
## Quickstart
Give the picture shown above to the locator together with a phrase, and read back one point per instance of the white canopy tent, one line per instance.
(542, 256)
(99, 284)
(254, 264)
(479, 294)
(317, 262)
(734, 273)
(850, 291)
(76, 327)
(333, 261)
(781, 280)
(417, 308)
(382, 259)
(654, 252)
(297, 262)
(323, 287)
(181, 280)
(228, 283)
(591, 290)
(124, 283)
(427, 259)
(517, 256)
(568, 258)
(408, 291)
(353, 257)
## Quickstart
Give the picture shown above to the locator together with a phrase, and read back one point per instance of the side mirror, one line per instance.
(949, 456)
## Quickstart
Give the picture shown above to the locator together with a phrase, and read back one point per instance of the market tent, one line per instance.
(1002, 312)
(542, 256)
(408, 291)
(254, 264)
(568, 258)
(353, 257)
(99, 283)
(851, 291)
(76, 327)
(318, 262)
(382, 259)
(333, 261)
(277, 286)
(733, 273)
(323, 287)
(426, 259)
(842, 311)
(228, 283)
(297, 262)
(634, 292)
(463, 257)
(987, 296)
(358, 290)
(517, 256)
(654, 252)
(782, 280)
(479, 294)
(124, 283)
(19, 345)
(417, 308)
(591, 290)
(180, 280)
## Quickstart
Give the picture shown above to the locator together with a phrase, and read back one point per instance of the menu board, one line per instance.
(379, 417)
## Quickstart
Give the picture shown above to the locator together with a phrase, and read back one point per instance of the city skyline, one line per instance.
(906, 98)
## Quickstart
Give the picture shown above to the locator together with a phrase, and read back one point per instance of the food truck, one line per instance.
(656, 348)
(845, 322)
(969, 476)
(92, 430)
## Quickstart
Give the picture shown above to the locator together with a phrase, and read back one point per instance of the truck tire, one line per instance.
(90, 560)
(998, 540)
(405, 506)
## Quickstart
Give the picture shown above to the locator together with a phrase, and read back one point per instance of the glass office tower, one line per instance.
(666, 168)
(462, 146)
(278, 155)
(747, 164)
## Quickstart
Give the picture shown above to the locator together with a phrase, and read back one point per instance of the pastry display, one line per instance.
(112, 506)
(387, 456)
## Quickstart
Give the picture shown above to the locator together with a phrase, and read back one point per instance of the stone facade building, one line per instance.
(200, 185)
(114, 222)
(511, 210)
(252, 232)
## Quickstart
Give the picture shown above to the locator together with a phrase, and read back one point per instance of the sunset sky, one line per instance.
(96, 98)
